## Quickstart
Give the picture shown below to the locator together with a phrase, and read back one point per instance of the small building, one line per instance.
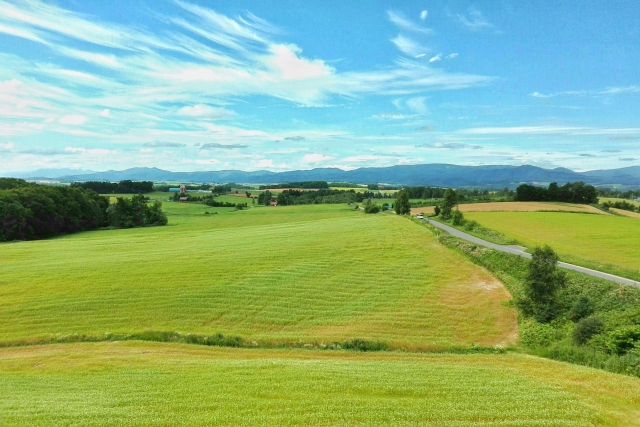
(183, 199)
(174, 190)
(274, 203)
(183, 189)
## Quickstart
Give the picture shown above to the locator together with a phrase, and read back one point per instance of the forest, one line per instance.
(571, 192)
(31, 211)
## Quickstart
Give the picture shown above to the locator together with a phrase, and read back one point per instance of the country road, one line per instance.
(520, 251)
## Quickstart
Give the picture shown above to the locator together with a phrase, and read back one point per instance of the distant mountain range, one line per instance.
(429, 174)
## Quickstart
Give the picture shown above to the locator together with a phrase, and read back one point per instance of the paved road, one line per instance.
(519, 250)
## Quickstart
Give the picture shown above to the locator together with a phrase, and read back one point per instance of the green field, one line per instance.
(602, 242)
(149, 384)
(294, 276)
(317, 273)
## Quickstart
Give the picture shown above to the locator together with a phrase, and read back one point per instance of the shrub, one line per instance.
(437, 210)
(581, 309)
(364, 345)
(624, 339)
(457, 217)
(587, 328)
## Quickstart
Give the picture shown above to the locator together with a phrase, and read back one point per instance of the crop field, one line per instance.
(602, 242)
(154, 384)
(317, 273)
(516, 207)
(625, 213)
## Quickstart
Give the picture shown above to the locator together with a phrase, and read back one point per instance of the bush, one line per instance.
(457, 217)
(437, 210)
(581, 309)
(364, 345)
(587, 328)
(371, 208)
(623, 340)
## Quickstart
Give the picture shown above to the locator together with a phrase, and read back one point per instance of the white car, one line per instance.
(420, 216)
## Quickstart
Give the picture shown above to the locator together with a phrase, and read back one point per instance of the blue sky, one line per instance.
(283, 85)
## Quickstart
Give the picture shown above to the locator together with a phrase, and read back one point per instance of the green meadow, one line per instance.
(151, 384)
(602, 242)
(294, 276)
(316, 274)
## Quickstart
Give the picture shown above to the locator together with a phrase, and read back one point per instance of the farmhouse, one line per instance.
(274, 203)
(183, 199)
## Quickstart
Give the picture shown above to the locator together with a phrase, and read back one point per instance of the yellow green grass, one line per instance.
(153, 384)
(603, 242)
(318, 273)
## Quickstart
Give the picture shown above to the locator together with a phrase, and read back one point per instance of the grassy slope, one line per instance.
(165, 384)
(314, 273)
(603, 242)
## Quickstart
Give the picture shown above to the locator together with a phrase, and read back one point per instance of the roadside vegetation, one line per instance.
(566, 316)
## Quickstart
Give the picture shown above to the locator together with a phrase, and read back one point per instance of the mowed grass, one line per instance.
(318, 273)
(155, 384)
(602, 242)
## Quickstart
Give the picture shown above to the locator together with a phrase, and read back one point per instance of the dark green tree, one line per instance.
(542, 283)
(449, 201)
(401, 205)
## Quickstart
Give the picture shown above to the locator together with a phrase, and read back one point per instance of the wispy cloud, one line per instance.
(474, 20)
(598, 92)
(436, 58)
(402, 22)
(409, 46)
(424, 14)
(296, 138)
(164, 144)
(215, 145)
(206, 112)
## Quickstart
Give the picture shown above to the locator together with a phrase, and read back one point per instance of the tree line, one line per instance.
(571, 192)
(122, 187)
(30, 211)
(300, 184)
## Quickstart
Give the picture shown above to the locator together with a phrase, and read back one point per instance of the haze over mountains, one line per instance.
(426, 174)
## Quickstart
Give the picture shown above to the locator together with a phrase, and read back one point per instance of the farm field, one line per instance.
(152, 384)
(317, 273)
(625, 213)
(516, 207)
(602, 242)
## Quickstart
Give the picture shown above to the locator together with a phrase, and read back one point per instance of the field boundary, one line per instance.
(517, 251)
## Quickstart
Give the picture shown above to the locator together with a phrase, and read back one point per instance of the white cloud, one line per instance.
(597, 92)
(263, 163)
(409, 46)
(424, 14)
(315, 158)
(285, 59)
(452, 55)
(73, 119)
(9, 145)
(417, 105)
(475, 20)
(206, 112)
(402, 22)
(105, 113)
(436, 58)
(207, 161)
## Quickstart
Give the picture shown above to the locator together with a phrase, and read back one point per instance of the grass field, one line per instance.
(148, 384)
(314, 273)
(603, 242)
(516, 207)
